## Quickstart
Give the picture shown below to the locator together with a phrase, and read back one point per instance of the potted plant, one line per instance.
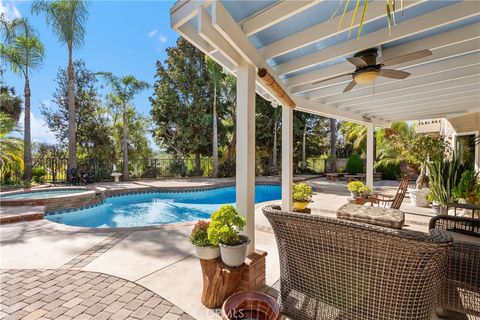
(444, 176)
(355, 188)
(302, 195)
(199, 238)
(418, 150)
(224, 230)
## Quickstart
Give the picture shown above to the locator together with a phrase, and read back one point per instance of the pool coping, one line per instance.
(146, 190)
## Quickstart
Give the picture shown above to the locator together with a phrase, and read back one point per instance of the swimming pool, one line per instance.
(149, 209)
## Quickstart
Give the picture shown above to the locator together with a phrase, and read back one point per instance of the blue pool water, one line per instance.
(42, 194)
(158, 208)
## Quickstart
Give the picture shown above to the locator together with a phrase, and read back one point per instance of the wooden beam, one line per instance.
(426, 90)
(184, 10)
(275, 14)
(227, 27)
(429, 21)
(313, 107)
(211, 35)
(326, 29)
(467, 65)
(438, 44)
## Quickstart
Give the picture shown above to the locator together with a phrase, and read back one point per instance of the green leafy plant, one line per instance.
(354, 164)
(444, 176)
(302, 192)
(356, 186)
(199, 235)
(38, 174)
(390, 170)
(468, 187)
(225, 226)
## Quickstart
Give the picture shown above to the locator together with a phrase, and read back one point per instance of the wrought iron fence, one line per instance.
(55, 169)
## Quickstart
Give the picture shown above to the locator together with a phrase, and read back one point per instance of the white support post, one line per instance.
(287, 157)
(370, 155)
(245, 155)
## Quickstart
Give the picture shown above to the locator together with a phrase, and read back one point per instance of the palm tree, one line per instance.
(215, 73)
(11, 148)
(125, 90)
(23, 51)
(67, 18)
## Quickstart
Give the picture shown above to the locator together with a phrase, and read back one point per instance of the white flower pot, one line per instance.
(207, 253)
(418, 197)
(234, 256)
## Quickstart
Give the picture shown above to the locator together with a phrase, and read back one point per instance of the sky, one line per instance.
(122, 37)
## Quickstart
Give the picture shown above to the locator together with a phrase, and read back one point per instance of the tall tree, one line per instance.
(125, 89)
(67, 18)
(23, 51)
(216, 74)
(181, 103)
(92, 120)
(333, 143)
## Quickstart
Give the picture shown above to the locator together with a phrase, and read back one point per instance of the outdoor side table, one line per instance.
(385, 217)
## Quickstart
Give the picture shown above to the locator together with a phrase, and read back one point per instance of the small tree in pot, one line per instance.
(302, 195)
(224, 230)
(418, 150)
(199, 238)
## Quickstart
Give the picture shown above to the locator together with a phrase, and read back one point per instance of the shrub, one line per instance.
(225, 226)
(302, 192)
(355, 186)
(199, 235)
(38, 174)
(468, 187)
(390, 171)
(354, 164)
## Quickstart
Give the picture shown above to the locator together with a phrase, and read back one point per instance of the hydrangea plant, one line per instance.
(225, 226)
(199, 235)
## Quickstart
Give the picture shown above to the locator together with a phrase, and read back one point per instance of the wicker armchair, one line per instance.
(461, 288)
(337, 269)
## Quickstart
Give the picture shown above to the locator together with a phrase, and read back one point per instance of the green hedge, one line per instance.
(354, 164)
(390, 171)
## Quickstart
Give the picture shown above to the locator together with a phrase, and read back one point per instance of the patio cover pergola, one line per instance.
(299, 44)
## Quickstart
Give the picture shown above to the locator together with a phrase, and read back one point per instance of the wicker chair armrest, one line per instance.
(465, 225)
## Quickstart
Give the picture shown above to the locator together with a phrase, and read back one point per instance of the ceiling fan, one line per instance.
(367, 69)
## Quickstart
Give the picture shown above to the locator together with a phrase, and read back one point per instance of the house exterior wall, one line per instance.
(469, 123)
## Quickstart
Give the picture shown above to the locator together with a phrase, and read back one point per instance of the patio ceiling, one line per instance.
(299, 43)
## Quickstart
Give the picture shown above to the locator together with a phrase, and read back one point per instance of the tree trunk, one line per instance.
(304, 148)
(232, 146)
(215, 134)
(274, 151)
(72, 130)
(126, 176)
(27, 138)
(333, 143)
(198, 164)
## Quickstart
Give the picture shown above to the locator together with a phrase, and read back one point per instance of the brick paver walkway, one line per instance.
(73, 294)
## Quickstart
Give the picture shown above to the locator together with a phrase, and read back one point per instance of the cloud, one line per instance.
(9, 9)
(39, 129)
(163, 38)
(152, 33)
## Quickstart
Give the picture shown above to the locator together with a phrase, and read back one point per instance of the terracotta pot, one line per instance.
(250, 305)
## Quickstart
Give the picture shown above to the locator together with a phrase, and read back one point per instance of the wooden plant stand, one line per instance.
(219, 282)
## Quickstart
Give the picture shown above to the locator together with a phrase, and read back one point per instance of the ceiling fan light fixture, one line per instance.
(366, 77)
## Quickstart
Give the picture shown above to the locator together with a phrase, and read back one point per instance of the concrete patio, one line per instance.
(159, 259)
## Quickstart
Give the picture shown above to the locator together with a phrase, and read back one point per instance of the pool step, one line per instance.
(21, 213)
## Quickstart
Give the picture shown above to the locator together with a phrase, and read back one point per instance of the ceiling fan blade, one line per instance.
(350, 86)
(339, 76)
(407, 57)
(395, 74)
(357, 61)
